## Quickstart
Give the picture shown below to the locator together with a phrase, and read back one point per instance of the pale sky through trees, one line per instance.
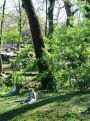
(62, 16)
(40, 8)
(9, 4)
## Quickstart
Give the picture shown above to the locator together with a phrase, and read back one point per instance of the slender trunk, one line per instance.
(37, 41)
(1, 29)
(46, 20)
(50, 17)
(69, 13)
(0, 64)
(19, 24)
(67, 5)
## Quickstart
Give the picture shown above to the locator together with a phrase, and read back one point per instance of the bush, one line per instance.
(68, 54)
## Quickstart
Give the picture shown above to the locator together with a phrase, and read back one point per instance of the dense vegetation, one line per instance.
(53, 59)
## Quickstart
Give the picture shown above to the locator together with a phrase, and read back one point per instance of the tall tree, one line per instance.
(67, 5)
(1, 30)
(38, 42)
(50, 17)
(46, 18)
(69, 12)
(19, 23)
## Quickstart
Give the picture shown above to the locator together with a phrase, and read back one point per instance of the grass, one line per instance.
(51, 107)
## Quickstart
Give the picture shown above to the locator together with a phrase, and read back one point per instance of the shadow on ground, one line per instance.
(7, 116)
(9, 96)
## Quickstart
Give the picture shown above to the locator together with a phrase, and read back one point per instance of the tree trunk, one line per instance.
(0, 65)
(69, 13)
(3, 12)
(37, 41)
(19, 24)
(67, 5)
(50, 17)
(46, 19)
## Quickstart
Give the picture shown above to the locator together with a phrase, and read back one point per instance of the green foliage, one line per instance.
(25, 60)
(17, 78)
(26, 35)
(82, 4)
(14, 78)
(4, 89)
(11, 35)
(68, 54)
